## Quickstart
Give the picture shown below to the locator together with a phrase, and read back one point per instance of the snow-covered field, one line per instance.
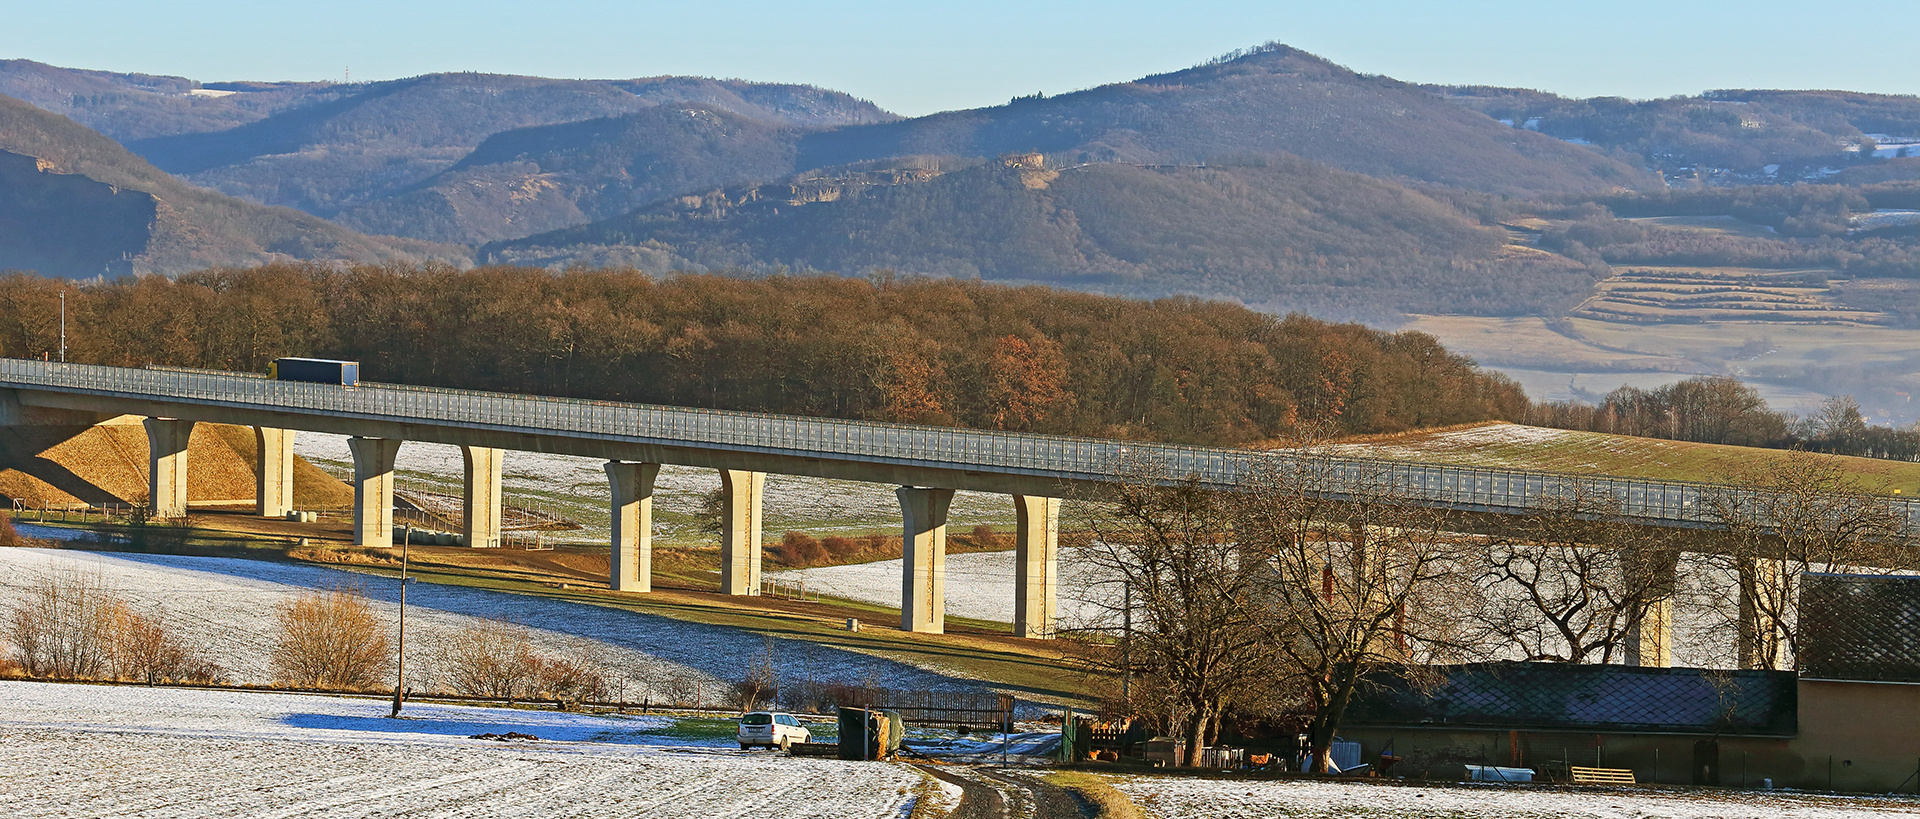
(577, 488)
(979, 585)
(100, 751)
(226, 608)
(1184, 798)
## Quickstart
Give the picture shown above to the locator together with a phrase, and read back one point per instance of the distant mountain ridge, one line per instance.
(1279, 99)
(1277, 231)
(78, 204)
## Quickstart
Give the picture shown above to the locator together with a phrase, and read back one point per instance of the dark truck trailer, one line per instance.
(315, 370)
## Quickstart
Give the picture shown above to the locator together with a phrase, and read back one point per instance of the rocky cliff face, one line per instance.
(67, 224)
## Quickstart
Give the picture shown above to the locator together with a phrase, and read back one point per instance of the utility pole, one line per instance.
(63, 326)
(400, 655)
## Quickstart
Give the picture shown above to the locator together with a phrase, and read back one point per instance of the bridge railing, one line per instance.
(1466, 487)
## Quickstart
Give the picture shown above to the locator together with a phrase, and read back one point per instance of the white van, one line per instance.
(771, 729)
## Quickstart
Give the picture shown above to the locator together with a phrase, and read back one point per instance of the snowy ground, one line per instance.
(99, 751)
(1183, 798)
(979, 585)
(577, 489)
(226, 607)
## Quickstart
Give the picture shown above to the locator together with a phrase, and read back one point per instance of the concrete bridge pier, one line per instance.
(1762, 645)
(740, 531)
(480, 510)
(923, 546)
(632, 485)
(167, 466)
(373, 490)
(273, 472)
(1649, 642)
(1036, 565)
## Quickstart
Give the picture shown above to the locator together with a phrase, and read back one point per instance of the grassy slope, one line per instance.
(1594, 453)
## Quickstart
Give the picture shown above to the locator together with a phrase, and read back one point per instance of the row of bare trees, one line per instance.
(1279, 600)
(75, 627)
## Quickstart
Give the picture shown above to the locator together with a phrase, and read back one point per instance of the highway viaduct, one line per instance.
(928, 464)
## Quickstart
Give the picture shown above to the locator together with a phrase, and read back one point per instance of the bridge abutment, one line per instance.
(923, 570)
(480, 509)
(167, 440)
(632, 487)
(273, 472)
(1036, 565)
(740, 531)
(373, 490)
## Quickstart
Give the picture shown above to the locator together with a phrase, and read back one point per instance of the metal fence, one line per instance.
(1066, 458)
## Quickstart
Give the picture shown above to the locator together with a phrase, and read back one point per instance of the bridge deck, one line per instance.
(974, 459)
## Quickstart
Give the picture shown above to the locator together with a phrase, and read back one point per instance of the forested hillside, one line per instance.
(77, 204)
(367, 141)
(532, 180)
(1719, 137)
(132, 107)
(1273, 98)
(1274, 230)
(924, 351)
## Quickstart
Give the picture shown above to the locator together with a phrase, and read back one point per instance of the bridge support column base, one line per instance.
(923, 546)
(480, 511)
(1649, 642)
(373, 490)
(740, 531)
(273, 472)
(1762, 642)
(632, 567)
(1036, 565)
(167, 440)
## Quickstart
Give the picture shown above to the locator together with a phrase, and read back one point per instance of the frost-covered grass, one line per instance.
(577, 489)
(1516, 446)
(226, 608)
(1174, 797)
(111, 751)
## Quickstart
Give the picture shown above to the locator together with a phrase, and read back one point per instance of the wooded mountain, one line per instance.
(132, 107)
(382, 138)
(1277, 231)
(1275, 99)
(78, 204)
(1719, 137)
(531, 180)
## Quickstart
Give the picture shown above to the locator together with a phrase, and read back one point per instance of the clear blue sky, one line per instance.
(919, 57)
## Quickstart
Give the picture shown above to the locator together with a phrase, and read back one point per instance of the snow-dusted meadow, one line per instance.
(979, 585)
(226, 608)
(577, 488)
(1173, 797)
(100, 751)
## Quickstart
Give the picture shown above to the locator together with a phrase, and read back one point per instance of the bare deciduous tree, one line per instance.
(1181, 608)
(1357, 581)
(330, 639)
(491, 659)
(63, 627)
(1568, 582)
(1785, 518)
(74, 626)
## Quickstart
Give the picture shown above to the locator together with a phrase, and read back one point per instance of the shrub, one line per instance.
(330, 639)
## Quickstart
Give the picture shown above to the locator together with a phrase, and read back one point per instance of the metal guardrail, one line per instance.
(1671, 503)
